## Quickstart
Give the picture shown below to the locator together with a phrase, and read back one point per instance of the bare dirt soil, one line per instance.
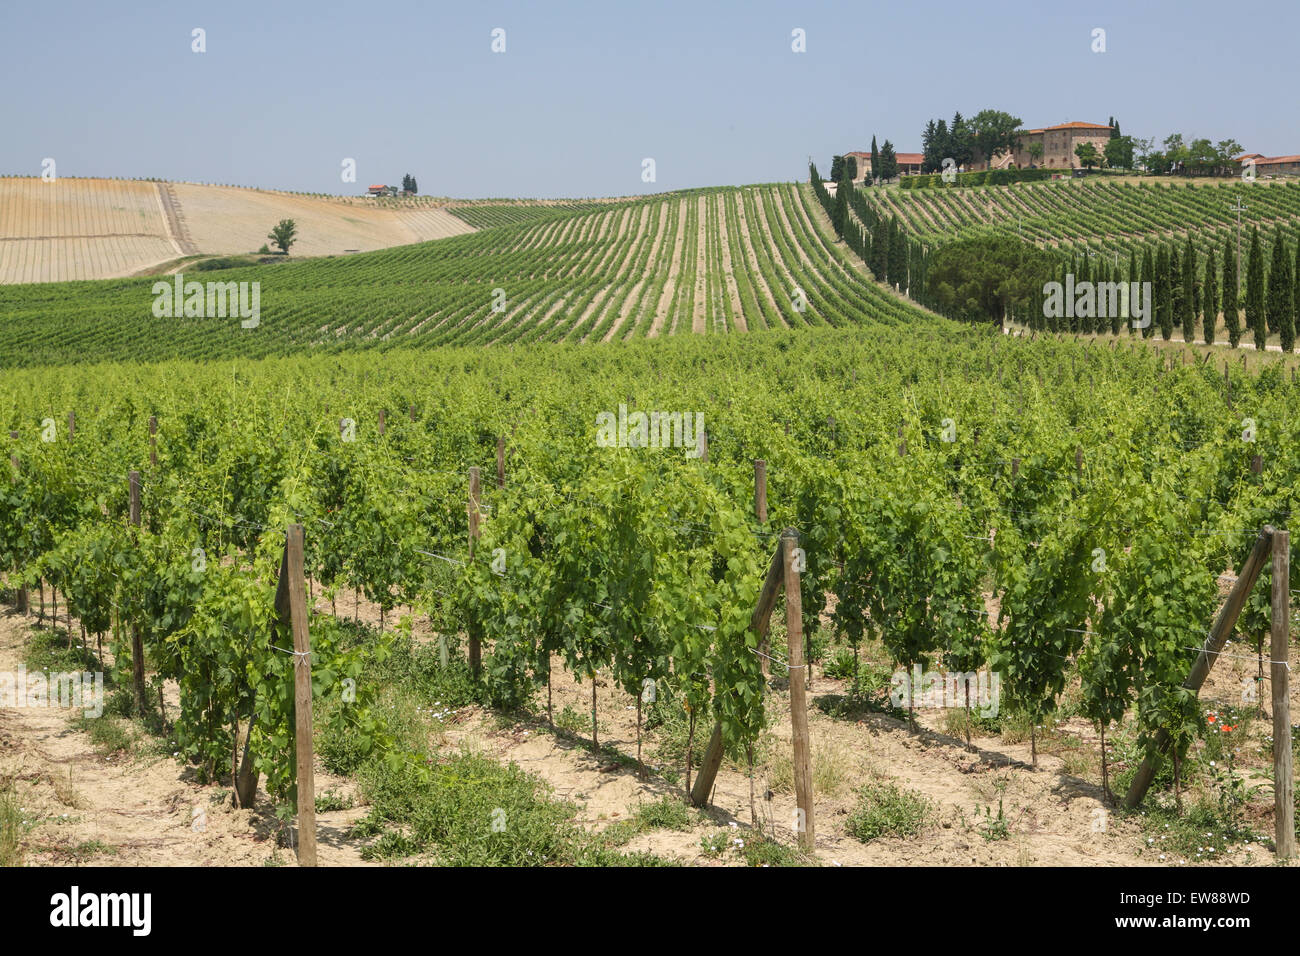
(84, 806)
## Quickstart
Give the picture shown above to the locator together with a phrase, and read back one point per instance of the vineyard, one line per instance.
(710, 261)
(1069, 518)
(1099, 215)
(1213, 281)
(1106, 219)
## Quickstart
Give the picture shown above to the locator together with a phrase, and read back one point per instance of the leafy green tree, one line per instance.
(1280, 293)
(1210, 299)
(1088, 155)
(1201, 157)
(888, 161)
(931, 149)
(1255, 316)
(961, 145)
(1118, 152)
(1230, 292)
(1225, 151)
(980, 279)
(1175, 153)
(284, 234)
(994, 131)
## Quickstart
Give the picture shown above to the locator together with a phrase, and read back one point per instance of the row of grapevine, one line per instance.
(961, 498)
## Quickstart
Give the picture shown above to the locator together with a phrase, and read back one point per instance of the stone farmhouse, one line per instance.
(1272, 165)
(1058, 144)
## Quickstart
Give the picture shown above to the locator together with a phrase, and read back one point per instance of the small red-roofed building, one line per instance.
(1272, 165)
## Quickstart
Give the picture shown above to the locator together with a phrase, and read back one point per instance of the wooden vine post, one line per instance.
(798, 698)
(1214, 642)
(22, 592)
(781, 572)
(294, 579)
(1283, 782)
(137, 641)
(153, 441)
(475, 649)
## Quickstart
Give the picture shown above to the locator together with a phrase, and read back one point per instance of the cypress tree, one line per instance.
(1255, 318)
(1134, 275)
(1164, 294)
(897, 256)
(1149, 275)
(840, 217)
(1280, 293)
(1079, 323)
(1117, 311)
(1295, 279)
(1175, 288)
(1089, 323)
(1231, 294)
(880, 249)
(916, 273)
(875, 159)
(1072, 323)
(1210, 299)
(1189, 291)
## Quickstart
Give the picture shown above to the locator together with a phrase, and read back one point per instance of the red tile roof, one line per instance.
(1275, 160)
(904, 159)
(1076, 125)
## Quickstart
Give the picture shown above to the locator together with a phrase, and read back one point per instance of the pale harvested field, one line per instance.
(106, 228)
(79, 229)
(223, 219)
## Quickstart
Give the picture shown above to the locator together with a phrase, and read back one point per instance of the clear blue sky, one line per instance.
(585, 91)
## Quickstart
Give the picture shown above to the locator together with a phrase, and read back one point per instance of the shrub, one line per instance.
(885, 810)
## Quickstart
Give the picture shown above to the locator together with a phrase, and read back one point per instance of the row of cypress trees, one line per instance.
(1186, 293)
(1189, 294)
(890, 254)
